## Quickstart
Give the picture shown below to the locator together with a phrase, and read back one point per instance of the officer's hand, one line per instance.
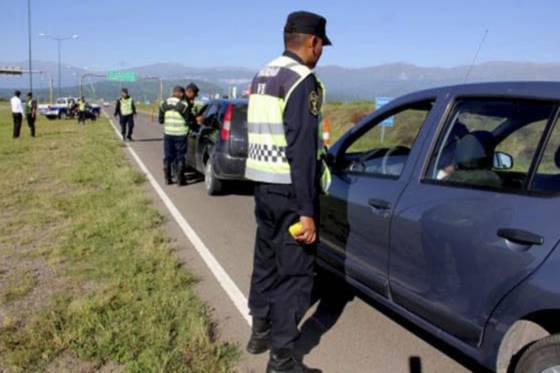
(308, 234)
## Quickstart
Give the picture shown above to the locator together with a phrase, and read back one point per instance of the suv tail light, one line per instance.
(226, 127)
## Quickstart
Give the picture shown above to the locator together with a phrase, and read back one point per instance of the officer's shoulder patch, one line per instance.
(314, 103)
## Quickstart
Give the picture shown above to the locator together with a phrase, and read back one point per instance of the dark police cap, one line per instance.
(307, 23)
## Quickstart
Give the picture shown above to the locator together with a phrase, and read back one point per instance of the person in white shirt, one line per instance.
(17, 113)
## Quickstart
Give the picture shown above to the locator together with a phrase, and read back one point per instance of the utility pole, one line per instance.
(29, 44)
(59, 41)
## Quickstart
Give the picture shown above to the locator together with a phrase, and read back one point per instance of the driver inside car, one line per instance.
(447, 162)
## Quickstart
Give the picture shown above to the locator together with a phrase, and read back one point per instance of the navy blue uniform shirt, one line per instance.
(302, 131)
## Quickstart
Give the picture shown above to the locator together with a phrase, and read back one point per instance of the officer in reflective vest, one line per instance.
(175, 116)
(283, 120)
(126, 109)
(191, 93)
(31, 113)
(82, 110)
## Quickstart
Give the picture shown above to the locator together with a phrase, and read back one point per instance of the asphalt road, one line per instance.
(343, 334)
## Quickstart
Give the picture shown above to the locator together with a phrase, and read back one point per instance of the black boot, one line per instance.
(260, 337)
(283, 361)
(181, 174)
(167, 174)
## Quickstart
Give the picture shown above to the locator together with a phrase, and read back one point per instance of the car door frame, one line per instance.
(337, 151)
(201, 140)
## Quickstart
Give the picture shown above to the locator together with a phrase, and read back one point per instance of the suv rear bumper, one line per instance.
(228, 167)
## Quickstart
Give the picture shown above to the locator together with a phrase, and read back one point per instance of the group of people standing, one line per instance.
(20, 109)
(178, 114)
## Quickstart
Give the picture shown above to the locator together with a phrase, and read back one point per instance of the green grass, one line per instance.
(72, 207)
(16, 287)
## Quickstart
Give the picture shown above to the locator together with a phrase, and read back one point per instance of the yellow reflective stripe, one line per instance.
(282, 167)
(265, 109)
(268, 139)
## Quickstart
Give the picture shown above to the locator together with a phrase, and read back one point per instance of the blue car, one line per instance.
(445, 207)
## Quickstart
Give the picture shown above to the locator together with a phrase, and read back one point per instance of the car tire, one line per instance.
(212, 183)
(62, 115)
(542, 356)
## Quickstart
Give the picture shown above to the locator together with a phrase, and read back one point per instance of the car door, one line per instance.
(197, 140)
(368, 176)
(468, 228)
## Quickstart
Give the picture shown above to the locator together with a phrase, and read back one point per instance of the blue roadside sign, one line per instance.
(380, 101)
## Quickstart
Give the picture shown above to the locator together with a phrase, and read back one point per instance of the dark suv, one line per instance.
(218, 147)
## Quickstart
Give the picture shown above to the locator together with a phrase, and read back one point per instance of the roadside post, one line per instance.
(379, 102)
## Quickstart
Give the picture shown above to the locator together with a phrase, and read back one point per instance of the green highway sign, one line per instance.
(121, 76)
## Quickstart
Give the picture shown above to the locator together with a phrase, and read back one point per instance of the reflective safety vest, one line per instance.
(174, 123)
(126, 106)
(81, 105)
(29, 107)
(270, 90)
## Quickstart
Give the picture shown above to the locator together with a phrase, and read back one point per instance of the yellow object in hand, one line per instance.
(295, 229)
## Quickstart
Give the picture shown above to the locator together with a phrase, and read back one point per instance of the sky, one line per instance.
(125, 33)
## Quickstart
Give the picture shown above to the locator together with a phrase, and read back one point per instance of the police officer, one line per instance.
(31, 113)
(126, 109)
(283, 118)
(176, 117)
(82, 110)
(191, 93)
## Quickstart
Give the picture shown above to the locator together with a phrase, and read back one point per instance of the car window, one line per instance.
(384, 147)
(61, 101)
(490, 143)
(240, 114)
(211, 115)
(547, 178)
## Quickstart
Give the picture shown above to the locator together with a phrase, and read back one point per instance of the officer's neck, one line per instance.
(299, 56)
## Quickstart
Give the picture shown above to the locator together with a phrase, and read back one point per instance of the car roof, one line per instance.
(235, 101)
(528, 89)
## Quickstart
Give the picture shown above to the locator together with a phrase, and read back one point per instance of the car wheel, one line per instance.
(213, 184)
(62, 115)
(542, 356)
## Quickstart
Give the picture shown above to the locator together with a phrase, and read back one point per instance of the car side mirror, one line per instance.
(503, 161)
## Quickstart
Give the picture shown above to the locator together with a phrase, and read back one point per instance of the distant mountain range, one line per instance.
(344, 84)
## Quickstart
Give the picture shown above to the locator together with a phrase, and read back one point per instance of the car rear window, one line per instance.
(240, 114)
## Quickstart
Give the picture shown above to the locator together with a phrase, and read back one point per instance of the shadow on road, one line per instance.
(158, 139)
(333, 294)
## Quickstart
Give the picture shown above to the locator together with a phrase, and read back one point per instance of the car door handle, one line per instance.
(379, 204)
(520, 236)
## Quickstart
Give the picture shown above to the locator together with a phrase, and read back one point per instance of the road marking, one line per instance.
(217, 270)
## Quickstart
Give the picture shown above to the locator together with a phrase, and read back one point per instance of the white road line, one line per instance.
(217, 270)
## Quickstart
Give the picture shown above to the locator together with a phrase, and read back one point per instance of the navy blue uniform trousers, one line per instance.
(283, 269)
(127, 125)
(174, 149)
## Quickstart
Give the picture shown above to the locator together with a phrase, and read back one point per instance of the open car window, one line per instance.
(490, 143)
(383, 146)
(547, 177)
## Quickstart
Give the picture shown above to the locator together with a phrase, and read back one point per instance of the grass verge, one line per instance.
(85, 269)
